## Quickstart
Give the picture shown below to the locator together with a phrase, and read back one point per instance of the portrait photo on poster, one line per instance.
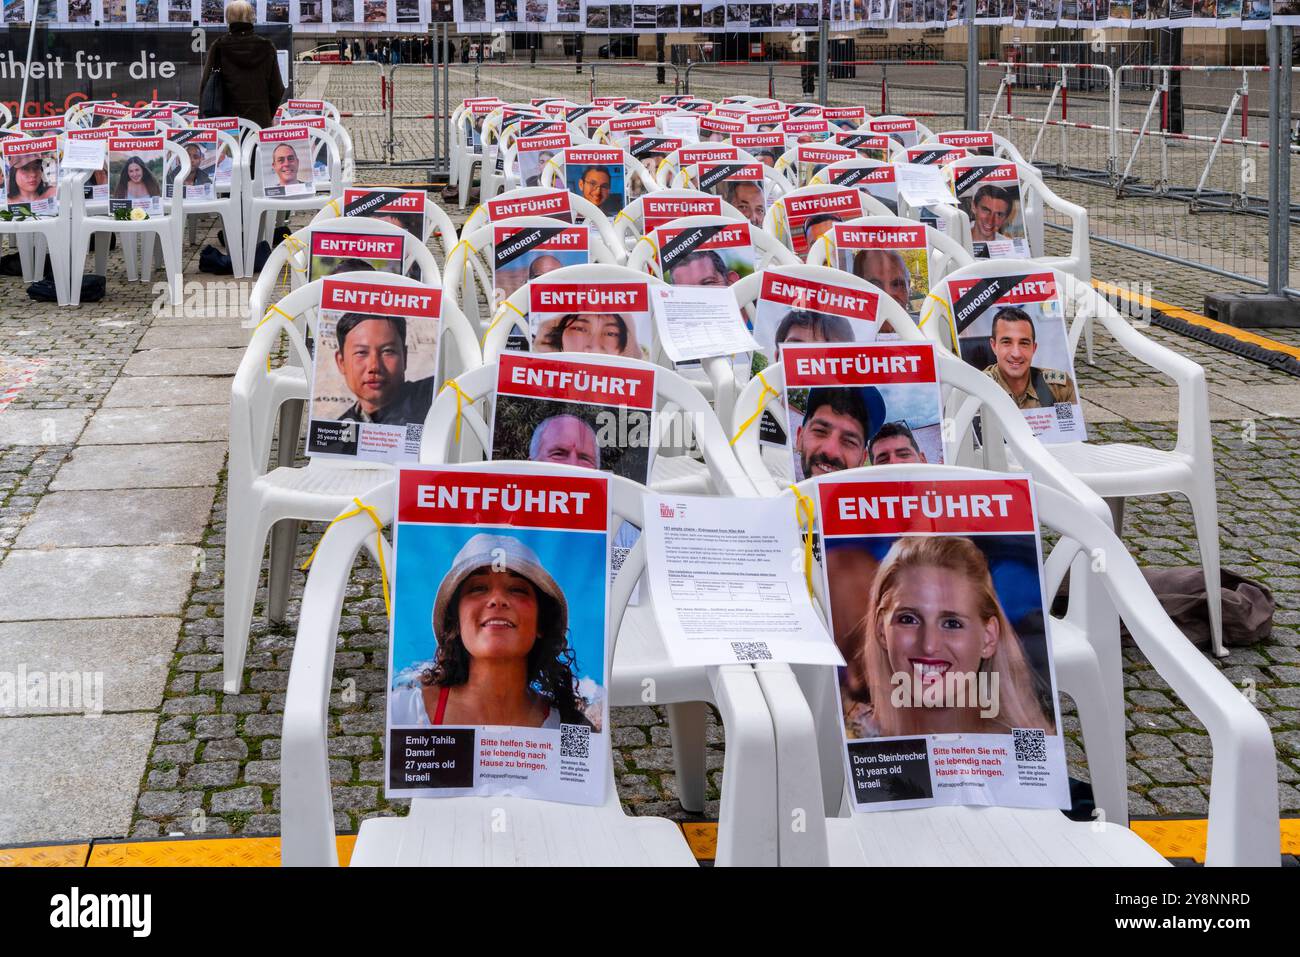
(855, 405)
(608, 319)
(375, 364)
(286, 162)
(937, 604)
(498, 636)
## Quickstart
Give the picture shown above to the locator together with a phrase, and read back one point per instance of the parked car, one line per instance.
(620, 46)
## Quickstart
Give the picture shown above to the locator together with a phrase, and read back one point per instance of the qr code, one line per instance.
(751, 651)
(1031, 745)
(414, 432)
(1064, 412)
(575, 741)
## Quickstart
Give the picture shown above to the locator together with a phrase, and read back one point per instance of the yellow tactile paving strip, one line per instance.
(58, 855)
(1181, 838)
(1196, 319)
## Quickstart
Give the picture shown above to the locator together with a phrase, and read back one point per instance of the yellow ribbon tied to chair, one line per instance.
(762, 404)
(806, 509)
(460, 397)
(379, 546)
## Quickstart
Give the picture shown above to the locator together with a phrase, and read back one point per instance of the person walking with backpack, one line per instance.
(241, 76)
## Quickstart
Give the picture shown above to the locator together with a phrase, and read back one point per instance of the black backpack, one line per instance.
(212, 99)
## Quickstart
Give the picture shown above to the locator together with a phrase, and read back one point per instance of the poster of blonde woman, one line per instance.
(937, 605)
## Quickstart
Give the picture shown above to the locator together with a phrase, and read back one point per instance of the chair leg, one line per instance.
(131, 252)
(147, 243)
(1080, 677)
(1088, 342)
(1117, 514)
(61, 265)
(26, 245)
(234, 242)
(687, 722)
(102, 242)
(171, 253)
(79, 244)
(252, 226)
(291, 413)
(284, 545)
(1205, 513)
(245, 540)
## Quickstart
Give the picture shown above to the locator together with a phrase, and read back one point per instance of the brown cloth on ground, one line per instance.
(251, 73)
(1247, 605)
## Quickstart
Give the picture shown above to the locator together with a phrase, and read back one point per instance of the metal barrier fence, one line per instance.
(1173, 162)
(1124, 134)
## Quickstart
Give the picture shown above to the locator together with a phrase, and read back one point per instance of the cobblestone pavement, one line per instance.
(173, 753)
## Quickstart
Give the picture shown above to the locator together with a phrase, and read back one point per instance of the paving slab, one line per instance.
(63, 583)
(167, 465)
(165, 424)
(1281, 400)
(1092, 413)
(154, 516)
(130, 655)
(176, 336)
(41, 426)
(153, 362)
(83, 787)
(1160, 404)
(138, 391)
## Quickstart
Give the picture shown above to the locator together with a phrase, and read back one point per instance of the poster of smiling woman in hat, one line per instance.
(497, 656)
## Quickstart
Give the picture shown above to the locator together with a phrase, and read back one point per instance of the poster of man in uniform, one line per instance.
(1013, 328)
(937, 604)
(375, 368)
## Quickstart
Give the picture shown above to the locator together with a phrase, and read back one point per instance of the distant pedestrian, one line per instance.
(249, 68)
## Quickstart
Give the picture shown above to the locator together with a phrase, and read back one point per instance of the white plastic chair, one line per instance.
(1085, 643)
(167, 229)
(259, 207)
(1035, 199)
(919, 131)
(1243, 800)
(230, 207)
(1119, 470)
(52, 234)
(259, 498)
(641, 655)
(459, 831)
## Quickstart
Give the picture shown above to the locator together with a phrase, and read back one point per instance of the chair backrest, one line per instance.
(674, 396)
(944, 254)
(296, 316)
(317, 140)
(294, 255)
(767, 251)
